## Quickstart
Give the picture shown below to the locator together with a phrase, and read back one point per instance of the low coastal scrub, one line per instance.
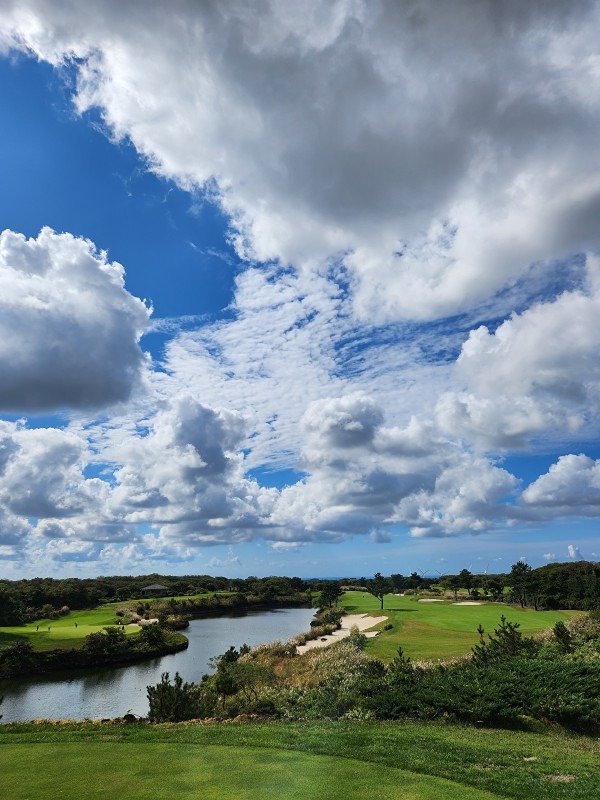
(509, 680)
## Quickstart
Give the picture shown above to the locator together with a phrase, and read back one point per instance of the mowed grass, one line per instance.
(116, 604)
(182, 772)
(330, 760)
(437, 630)
(65, 632)
(70, 631)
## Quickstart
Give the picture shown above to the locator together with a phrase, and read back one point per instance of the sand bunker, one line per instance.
(361, 621)
(468, 603)
(430, 600)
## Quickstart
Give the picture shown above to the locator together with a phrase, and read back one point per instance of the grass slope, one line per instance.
(439, 630)
(414, 761)
(63, 631)
(213, 773)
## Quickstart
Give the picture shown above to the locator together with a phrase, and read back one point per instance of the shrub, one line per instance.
(173, 702)
(112, 641)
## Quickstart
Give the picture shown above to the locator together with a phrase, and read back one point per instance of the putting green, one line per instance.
(111, 769)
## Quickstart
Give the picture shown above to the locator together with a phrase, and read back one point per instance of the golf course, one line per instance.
(66, 632)
(439, 629)
(418, 760)
(349, 761)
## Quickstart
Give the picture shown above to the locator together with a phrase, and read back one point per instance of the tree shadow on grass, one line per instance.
(352, 609)
(11, 638)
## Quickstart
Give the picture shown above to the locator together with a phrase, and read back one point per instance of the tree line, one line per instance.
(29, 599)
(553, 586)
(571, 585)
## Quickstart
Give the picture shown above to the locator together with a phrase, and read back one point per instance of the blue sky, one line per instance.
(278, 295)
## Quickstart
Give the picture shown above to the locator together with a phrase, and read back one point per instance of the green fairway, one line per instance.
(439, 630)
(178, 772)
(115, 604)
(411, 760)
(68, 631)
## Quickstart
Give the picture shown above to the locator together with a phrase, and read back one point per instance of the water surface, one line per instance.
(107, 693)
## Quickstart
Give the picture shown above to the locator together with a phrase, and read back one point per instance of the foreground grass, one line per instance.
(411, 760)
(439, 630)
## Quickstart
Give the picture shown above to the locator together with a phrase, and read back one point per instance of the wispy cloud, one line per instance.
(416, 288)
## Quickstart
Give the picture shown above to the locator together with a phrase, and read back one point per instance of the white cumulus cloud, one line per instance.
(440, 149)
(537, 373)
(69, 330)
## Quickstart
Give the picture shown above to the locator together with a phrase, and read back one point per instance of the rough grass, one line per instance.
(63, 633)
(410, 760)
(439, 630)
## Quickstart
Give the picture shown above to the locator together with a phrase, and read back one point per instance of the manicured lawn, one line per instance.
(178, 772)
(439, 630)
(116, 604)
(63, 632)
(408, 760)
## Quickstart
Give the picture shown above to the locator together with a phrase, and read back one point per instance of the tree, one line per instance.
(152, 635)
(378, 587)
(466, 579)
(329, 594)
(453, 583)
(521, 581)
(414, 580)
(563, 637)
(112, 641)
(11, 608)
(400, 670)
(398, 581)
(506, 641)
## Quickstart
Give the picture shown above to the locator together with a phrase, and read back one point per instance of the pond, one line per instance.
(108, 693)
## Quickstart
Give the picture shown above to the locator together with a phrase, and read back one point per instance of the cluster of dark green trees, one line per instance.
(26, 600)
(574, 585)
(562, 585)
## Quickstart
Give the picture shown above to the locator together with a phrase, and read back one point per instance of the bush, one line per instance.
(111, 642)
(173, 702)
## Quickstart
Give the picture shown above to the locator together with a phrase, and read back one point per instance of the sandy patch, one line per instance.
(468, 603)
(431, 600)
(361, 621)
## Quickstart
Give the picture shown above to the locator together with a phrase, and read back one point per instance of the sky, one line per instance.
(304, 288)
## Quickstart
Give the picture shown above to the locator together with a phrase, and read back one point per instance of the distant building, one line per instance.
(155, 589)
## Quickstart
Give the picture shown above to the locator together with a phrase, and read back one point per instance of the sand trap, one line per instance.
(431, 600)
(361, 621)
(468, 603)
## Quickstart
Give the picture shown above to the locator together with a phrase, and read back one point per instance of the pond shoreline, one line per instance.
(27, 663)
(39, 663)
(112, 690)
